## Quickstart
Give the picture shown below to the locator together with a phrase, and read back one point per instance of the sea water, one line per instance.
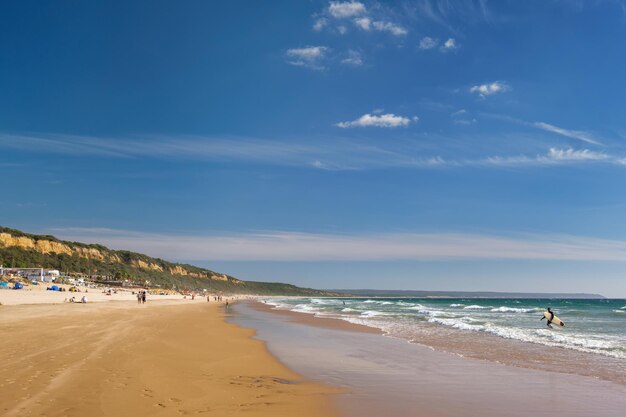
(592, 326)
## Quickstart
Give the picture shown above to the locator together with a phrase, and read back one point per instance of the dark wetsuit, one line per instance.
(549, 324)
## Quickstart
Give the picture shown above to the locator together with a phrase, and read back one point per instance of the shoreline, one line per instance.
(388, 376)
(480, 346)
(169, 358)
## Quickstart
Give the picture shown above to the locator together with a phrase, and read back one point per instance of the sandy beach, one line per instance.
(166, 358)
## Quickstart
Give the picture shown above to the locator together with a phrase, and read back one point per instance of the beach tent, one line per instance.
(54, 288)
(4, 284)
(18, 286)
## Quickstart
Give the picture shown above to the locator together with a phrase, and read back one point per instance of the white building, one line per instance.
(33, 274)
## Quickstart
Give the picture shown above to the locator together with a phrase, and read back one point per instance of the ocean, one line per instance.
(593, 341)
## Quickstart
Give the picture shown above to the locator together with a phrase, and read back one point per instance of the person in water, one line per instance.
(550, 319)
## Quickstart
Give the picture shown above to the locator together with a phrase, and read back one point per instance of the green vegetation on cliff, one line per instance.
(20, 250)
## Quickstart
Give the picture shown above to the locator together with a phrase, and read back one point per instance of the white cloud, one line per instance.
(363, 23)
(383, 120)
(353, 58)
(320, 24)
(495, 87)
(333, 153)
(293, 246)
(449, 45)
(554, 156)
(392, 28)
(574, 134)
(570, 154)
(309, 57)
(460, 117)
(428, 43)
(340, 10)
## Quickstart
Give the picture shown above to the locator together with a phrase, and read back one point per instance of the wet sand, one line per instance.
(312, 320)
(390, 377)
(167, 358)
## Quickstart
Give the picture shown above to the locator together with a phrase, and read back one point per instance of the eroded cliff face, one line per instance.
(146, 265)
(47, 246)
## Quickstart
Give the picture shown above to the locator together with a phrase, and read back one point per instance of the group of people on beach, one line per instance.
(141, 297)
(83, 300)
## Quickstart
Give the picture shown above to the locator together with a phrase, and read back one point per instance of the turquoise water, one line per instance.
(592, 326)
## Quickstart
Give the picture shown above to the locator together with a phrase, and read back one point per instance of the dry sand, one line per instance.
(168, 358)
(37, 294)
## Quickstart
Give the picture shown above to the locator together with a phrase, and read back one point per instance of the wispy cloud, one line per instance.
(451, 14)
(320, 24)
(364, 23)
(390, 27)
(554, 156)
(308, 57)
(574, 134)
(341, 10)
(383, 120)
(294, 246)
(329, 153)
(362, 18)
(353, 58)
(449, 45)
(461, 117)
(583, 136)
(489, 89)
(428, 43)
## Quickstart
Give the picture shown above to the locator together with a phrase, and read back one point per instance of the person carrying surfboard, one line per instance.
(552, 318)
(551, 314)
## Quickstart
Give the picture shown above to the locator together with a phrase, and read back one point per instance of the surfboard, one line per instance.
(555, 320)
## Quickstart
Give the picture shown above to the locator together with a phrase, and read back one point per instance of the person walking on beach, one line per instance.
(143, 297)
(549, 324)
(138, 297)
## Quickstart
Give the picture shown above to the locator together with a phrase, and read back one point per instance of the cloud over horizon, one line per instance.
(284, 246)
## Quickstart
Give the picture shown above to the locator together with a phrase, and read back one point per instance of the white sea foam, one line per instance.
(456, 323)
(403, 304)
(421, 309)
(323, 302)
(403, 319)
(371, 313)
(505, 309)
(305, 308)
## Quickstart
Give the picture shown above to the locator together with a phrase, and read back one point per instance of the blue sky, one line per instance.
(468, 145)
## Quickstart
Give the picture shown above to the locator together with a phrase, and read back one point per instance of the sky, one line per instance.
(425, 144)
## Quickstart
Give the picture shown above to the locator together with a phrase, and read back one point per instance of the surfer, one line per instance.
(549, 319)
